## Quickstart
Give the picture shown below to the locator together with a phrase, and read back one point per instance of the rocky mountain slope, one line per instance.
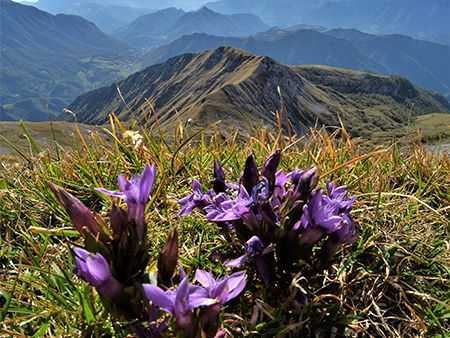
(240, 89)
(426, 64)
(48, 59)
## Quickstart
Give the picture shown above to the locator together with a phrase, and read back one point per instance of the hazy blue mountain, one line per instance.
(424, 63)
(148, 29)
(427, 64)
(240, 89)
(298, 47)
(426, 20)
(281, 13)
(62, 6)
(107, 17)
(49, 59)
(143, 33)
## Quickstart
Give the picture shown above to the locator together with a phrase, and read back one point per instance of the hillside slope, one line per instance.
(49, 59)
(240, 89)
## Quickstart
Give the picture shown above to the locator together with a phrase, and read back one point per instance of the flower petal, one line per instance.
(98, 267)
(204, 278)
(238, 261)
(159, 298)
(112, 193)
(146, 183)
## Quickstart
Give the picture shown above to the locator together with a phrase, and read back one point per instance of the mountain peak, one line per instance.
(205, 9)
(240, 89)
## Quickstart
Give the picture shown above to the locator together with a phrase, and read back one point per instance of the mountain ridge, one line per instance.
(140, 33)
(403, 56)
(240, 89)
(426, 20)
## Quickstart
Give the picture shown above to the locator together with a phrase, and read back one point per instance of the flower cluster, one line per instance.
(181, 301)
(279, 217)
(114, 260)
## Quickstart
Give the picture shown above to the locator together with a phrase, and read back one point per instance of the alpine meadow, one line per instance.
(236, 168)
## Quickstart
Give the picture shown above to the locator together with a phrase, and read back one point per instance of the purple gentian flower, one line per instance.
(345, 234)
(94, 270)
(177, 303)
(196, 199)
(280, 184)
(222, 290)
(219, 176)
(78, 213)
(136, 193)
(319, 217)
(255, 251)
(260, 192)
(222, 333)
(223, 209)
(270, 166)
(153, 330)
(303, 183)
(250, 175)
(339, 196)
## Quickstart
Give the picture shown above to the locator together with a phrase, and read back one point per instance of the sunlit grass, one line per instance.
(394, 281)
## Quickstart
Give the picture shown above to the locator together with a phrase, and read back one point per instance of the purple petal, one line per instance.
(221, 291)
(236, 283)
(232, 186)
(238, 261)
(222, 333)
(146, 183)
(198, 300)
(255, 246)
(271, 166)
(330, 224)
(250, 175)
(159, 298)
(197, 187)
(112, 193)
(98, 267)
(81, 253)
(262, 268)
(125, 186)
(185, 200)
(204, 278)
(182, 296)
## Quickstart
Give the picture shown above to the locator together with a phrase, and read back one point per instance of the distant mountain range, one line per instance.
(109, 15)
(426, 64)
(49, 59)
(240, 89)
(167, 25)
(425, 20)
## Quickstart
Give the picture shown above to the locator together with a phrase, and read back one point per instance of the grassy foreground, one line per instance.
(393, 282)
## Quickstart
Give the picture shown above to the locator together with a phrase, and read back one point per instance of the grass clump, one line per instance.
(393, 281)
